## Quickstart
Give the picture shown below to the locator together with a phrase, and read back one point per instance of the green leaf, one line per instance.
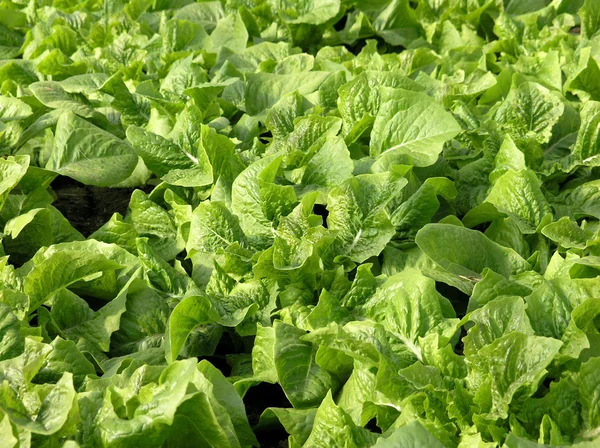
(52, 413)
(75, 319)
(409, 307)
(183, 74)
(65, 357)
(123, 100)
(587, 146)
(37, 228)
(246, 200)
(263, 355)
(227, 397)
(411, 435)
(358, 216)
(590, 18)
(298, 236)
(410, 128)
(184, 35)
(187, 315)
(588, 393)
(509, 157)
(53, 95)
(116, 231)
(513, 363)
(332, 426)
(12, 169)
(161, 274)
(280, 117)
(313, 12)
(493, 286)
(198, 421)
(330, 166)
(88, 154)
(561, 403)
(206, 14)
(14, 331)
(566, 233)
(420, 208)
(466, 253)
(213, 227)
(263, 90)
(397, 23)
(149, 420)
(360, 99)
(496, 319)
(154, 223)
(530, 111)
(305, 384)
(61, 269)
(579, 201)
(518, 194)
(230, 33)
(13, 109)
(168, 160)
(6, 432)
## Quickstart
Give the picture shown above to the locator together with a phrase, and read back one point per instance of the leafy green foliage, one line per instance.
(345, 223)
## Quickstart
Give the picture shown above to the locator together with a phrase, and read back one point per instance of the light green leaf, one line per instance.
(231, 33)
(303, 381)
(51, 415)
(88, 154)
(65, 357)
(495, 320)
(213, 227)
(333, 427)
(330, 166)
(411, 435)
(61, 269)
(514, 363)
(314, 12)
(409, 307)
(410, 128)
(358, 216)
(589, 393)
(590, 18)
(360, 99)
(297, 422)
(297, 236)
(246, 201)
(153, 222)
(420, 208)
(466, 252)
(566, 233)
(518, 194)
(13, 109)
(187, 315)
(76, 319)
(53, 95)
(12, 169)
(227, 397)
(530, 111)
(167, 159)
(263, 90)
(587, 146)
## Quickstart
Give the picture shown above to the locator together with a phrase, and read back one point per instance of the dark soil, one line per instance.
(259, 398)
(88, 208)
(459, 299)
